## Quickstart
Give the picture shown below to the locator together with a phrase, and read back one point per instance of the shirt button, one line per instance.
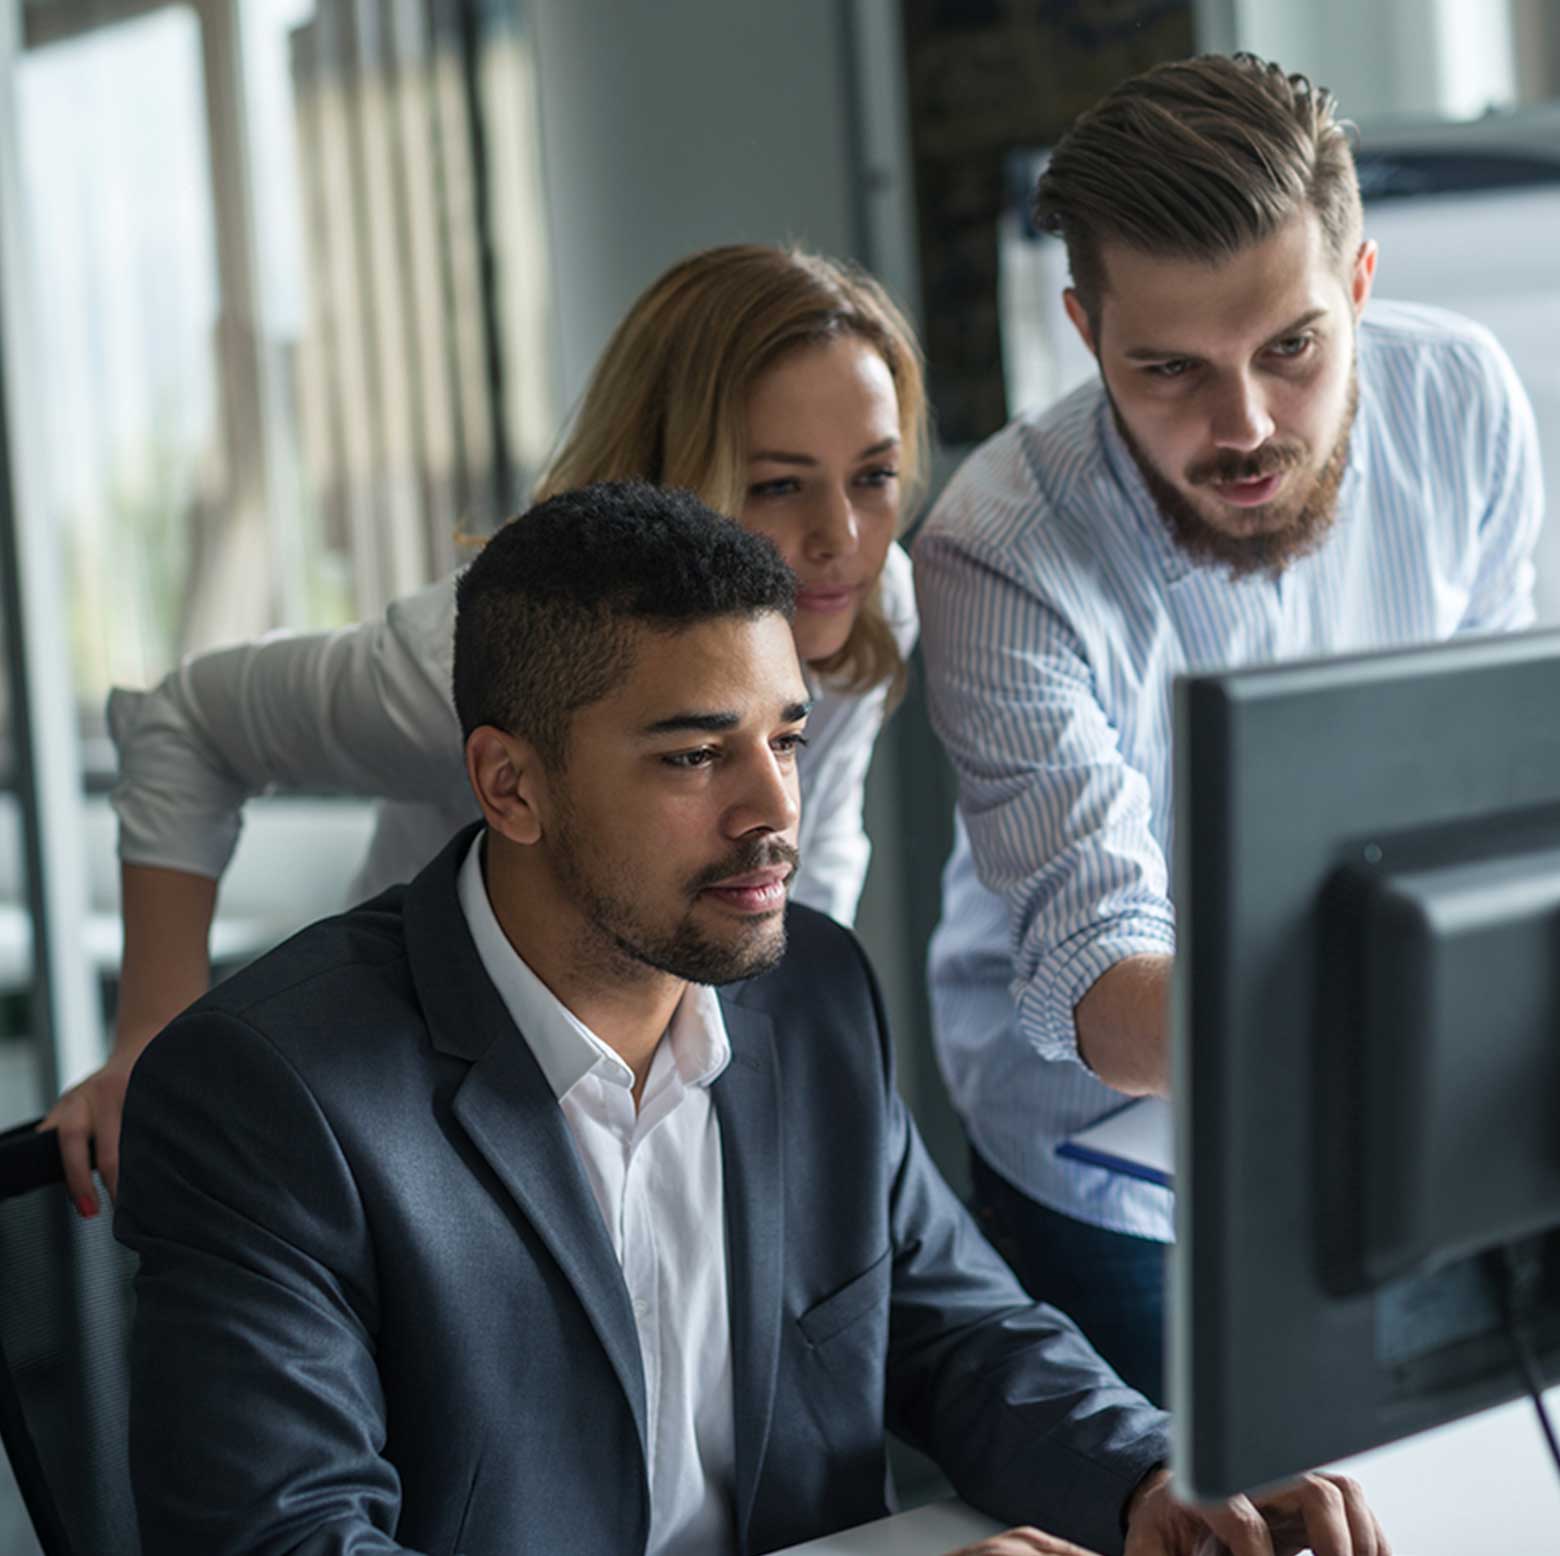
(641, 1307)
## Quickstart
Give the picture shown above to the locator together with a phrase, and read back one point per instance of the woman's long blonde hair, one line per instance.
(667, 402)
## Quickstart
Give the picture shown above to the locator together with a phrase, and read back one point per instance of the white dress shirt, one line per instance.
(657, 1179)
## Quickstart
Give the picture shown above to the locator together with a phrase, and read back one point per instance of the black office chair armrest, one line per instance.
(66, 1306)
(29, 1160)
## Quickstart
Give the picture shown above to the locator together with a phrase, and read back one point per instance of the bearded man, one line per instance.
(1266, 469)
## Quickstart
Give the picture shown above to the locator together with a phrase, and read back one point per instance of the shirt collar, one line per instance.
(565, 1048)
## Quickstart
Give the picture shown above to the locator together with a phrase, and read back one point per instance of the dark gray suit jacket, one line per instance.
(378, 1310)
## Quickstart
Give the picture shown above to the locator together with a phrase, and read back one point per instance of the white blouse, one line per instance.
(369, 710)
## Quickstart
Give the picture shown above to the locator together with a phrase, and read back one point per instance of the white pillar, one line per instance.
(49, 774)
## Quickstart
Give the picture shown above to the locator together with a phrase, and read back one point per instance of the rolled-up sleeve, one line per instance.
(367, 710)
(1058, 821)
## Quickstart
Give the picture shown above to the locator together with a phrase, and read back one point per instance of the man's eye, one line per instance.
(690, 759)
(1176, 367)
(790, 744)
(1292, 346)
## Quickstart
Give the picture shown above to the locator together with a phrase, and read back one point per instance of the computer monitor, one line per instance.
(1367, 1049)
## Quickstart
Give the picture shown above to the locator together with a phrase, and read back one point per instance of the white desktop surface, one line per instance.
(1474, 1488)
(924, 1531)
(1482, 1485)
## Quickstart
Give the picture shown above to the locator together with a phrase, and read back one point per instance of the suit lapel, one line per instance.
(507, 1108)
(509, 1111)
(747, 1103)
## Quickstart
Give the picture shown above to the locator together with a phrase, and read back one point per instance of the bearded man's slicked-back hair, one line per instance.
(546, 616)
(1196, 160)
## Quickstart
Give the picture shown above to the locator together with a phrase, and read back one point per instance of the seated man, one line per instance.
(475, 1220)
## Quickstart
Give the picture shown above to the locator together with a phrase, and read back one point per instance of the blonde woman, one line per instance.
(783, 388)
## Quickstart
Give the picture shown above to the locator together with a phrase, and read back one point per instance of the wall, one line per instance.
(666, 128)
(1391, 58)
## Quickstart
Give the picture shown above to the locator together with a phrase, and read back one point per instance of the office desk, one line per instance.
(1482, 1485)
(1479, 1486)
(924, 1531)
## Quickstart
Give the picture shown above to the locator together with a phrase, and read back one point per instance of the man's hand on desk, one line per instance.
(1326, 1514)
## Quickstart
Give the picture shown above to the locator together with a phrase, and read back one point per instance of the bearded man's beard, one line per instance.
(1274, 547)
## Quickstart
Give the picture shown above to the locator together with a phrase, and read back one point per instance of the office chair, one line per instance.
(65, 1308)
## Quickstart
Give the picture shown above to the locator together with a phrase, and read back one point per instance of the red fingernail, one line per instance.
(86, 1205)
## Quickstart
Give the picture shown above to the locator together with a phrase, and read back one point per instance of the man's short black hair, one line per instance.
(545, 617)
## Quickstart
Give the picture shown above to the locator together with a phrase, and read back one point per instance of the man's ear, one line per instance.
(1080, 320)
(1364, 275)
(509, 781)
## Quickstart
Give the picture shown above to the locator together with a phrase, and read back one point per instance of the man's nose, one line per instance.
(769, 800)
(1240, 416)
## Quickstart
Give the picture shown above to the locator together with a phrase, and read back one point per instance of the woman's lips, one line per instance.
(827, 598)
(1249, 494)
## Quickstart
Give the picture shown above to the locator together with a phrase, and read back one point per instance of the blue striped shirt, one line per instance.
(1056, 613)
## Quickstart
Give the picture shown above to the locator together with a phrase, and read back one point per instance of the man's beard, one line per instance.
(1269, 550)
(618, 928)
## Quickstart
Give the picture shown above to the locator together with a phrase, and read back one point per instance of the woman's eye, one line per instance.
(781, 486)
(883, 475)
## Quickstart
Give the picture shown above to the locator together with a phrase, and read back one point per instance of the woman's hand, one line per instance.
(167, 917)
(87, 1119)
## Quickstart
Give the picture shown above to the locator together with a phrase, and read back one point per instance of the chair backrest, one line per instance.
(66, 1301)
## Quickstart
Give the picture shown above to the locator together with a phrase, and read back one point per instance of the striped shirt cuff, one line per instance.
(1047, 1001)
